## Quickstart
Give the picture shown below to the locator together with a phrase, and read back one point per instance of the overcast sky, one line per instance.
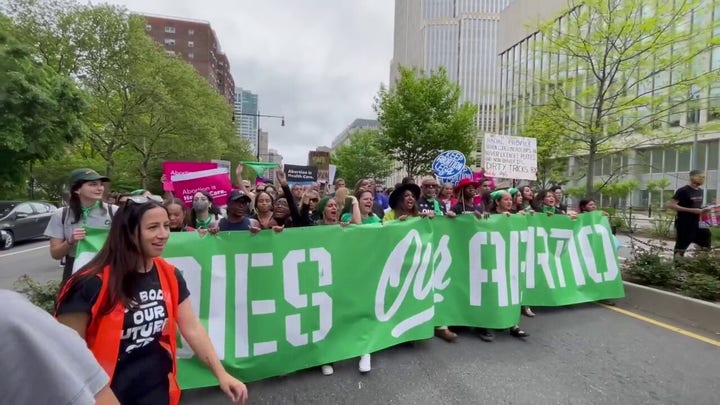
(317, 62)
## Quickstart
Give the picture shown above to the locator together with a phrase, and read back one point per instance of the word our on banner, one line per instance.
(276, 303)
(300, 174)
(510, 157)
(215, 181)
(172, 168)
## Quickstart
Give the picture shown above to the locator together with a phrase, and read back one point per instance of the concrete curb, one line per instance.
(684, 310)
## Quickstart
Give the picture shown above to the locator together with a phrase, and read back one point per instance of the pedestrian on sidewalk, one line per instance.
(688, 205)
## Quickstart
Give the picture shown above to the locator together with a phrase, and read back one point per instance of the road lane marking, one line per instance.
(663, 325)
(24, 251)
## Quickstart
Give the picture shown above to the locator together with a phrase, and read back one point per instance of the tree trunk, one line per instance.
(109, 167)
(590, 176)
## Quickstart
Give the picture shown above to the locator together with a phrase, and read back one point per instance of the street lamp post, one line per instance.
(257, 118)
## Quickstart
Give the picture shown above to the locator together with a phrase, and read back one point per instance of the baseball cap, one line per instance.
(236, 195)
(86, 174)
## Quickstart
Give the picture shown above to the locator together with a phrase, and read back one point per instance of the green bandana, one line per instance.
(260, 167)
(204, 223)
(86, 211)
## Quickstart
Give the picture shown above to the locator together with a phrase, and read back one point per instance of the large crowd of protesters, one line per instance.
(127, 302)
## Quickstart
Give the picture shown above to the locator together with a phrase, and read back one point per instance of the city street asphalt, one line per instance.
(583, 354)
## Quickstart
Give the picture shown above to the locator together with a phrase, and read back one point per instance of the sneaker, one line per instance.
(327, 369)
(364, 365)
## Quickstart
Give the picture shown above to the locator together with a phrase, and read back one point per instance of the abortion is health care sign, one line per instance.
(215, 181)
(171, 169)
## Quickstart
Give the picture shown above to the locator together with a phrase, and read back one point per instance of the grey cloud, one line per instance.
(318, 62)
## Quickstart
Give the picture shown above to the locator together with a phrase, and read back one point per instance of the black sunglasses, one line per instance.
(314, 199)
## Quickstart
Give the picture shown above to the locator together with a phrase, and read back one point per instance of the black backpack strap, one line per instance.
(65, 214)
(109, 211)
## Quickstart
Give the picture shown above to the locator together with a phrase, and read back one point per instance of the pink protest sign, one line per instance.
(174, 168)
(215, 181)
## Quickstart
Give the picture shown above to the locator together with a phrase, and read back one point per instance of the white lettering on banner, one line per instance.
(497, 275)
(262, 307)
(608, 249)
(291, 288)
(563, 236)
(191, 271)
(543, 258)
(391, 277)
(242, 327)
(567, 240)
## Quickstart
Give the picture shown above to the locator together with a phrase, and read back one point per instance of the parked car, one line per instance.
(23, 220)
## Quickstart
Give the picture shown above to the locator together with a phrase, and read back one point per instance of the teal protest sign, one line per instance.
(276, 303)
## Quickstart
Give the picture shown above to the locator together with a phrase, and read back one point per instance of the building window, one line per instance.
(191, 55)
(714, 103)
(191, 32)
(712, 155)
(656, 161)
(191, 44)
(148, 27)
(683, 160)
(170, 30)
(642, 161)
(170, 53)
(169, 41)
(669, 165)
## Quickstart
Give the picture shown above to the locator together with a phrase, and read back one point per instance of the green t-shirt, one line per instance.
(371, 219)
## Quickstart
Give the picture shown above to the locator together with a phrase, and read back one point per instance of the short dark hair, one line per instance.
(583, 204)
(555, 188)
(696, 172)
(408, 180)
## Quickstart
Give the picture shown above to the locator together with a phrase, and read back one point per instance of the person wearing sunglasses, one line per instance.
(85, 209)
(309, 206)
(128, 302)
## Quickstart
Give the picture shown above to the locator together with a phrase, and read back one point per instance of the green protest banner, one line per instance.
(276, 303)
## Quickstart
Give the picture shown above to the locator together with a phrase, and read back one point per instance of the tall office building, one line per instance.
(246, 111)
(195, 42)
(263, 141)
(460, 35)
(646, 162)
(273, 157)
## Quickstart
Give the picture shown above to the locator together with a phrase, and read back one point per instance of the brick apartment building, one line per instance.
(195, 42)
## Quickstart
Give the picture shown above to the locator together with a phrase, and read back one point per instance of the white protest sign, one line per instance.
(510, 157)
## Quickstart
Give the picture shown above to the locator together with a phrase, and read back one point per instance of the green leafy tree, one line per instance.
(51, 176)
(421, 117)
(143, 107)
(40, 111)
(362, 158)
(551, 167)
(623, 70)
(179, 109)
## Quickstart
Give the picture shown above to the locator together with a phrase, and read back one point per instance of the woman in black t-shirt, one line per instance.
(126, 303)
